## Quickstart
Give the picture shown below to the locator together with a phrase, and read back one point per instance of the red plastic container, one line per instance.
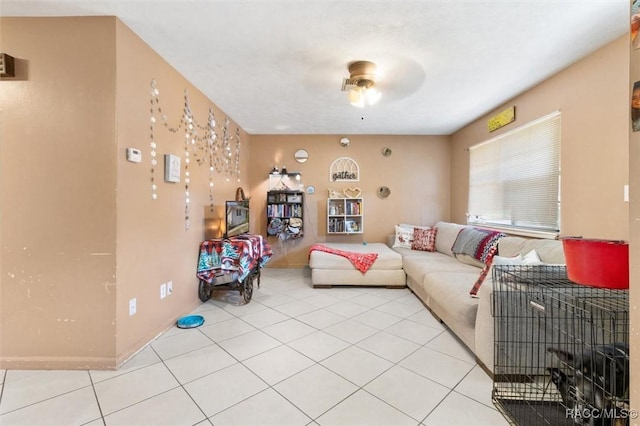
(597, 263)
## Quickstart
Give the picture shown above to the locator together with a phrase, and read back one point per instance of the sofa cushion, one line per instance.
(549, 251)
(387, 259)
(449, 299)
(447, 234)
(418, 263)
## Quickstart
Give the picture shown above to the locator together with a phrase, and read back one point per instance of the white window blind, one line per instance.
(514, 179)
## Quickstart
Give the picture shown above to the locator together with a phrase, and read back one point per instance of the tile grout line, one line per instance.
(181, 385)
(95, 394)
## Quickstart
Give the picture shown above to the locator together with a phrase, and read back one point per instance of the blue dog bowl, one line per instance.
(191, 321)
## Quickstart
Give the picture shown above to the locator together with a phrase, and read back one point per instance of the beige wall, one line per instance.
(153, 246)
(58, 181)
(417, 172)
(593, 97)
(80, 234)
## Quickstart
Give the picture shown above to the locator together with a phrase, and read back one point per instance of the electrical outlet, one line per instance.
(169, 288)
(132, 306)
(163, 291)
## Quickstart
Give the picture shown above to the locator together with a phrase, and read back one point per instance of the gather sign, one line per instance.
(344, 169)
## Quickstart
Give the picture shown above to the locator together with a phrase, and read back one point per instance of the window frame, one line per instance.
(512, 172)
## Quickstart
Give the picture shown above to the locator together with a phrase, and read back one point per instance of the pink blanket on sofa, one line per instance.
(362, 261)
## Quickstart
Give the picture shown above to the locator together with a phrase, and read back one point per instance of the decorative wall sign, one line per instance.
(172, 168)
(344, 169)
(502, 119)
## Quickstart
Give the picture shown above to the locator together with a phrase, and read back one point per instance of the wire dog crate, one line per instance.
(561, 352)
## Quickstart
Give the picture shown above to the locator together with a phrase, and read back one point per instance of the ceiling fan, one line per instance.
(361, 84)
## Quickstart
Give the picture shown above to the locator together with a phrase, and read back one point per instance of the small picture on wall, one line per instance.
(635, 23)
(635, 107)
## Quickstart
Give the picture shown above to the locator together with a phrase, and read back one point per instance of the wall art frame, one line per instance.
(172, 168)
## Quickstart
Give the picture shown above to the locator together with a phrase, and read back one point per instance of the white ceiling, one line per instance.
(276, 66)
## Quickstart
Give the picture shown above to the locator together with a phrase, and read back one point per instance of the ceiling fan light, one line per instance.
(372, 96)
(362, 79)
(356, 97)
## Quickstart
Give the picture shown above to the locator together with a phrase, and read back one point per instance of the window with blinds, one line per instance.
(514, 179)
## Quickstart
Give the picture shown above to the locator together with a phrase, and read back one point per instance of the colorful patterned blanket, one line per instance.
(362, 261)
(242, 253)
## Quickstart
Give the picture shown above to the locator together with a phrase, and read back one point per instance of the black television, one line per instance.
(236, 218)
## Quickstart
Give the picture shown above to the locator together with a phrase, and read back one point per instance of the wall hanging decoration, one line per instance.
(201, 143)
(335, 194)
(301, 156)
(7, 68)
(351, 192)
(240, 194)
(384, 192)
(501, 119)
(344, 169)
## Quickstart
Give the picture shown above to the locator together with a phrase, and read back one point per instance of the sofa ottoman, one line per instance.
(328, 269)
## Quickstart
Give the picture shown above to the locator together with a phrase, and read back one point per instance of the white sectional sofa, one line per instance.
(443, 283)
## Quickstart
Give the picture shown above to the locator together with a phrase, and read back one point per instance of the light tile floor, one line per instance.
(293, 356)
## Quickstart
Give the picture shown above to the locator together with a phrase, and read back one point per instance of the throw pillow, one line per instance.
(404, 237)
(501, 260)
(424, 239)
(476, 243)
(531, 258)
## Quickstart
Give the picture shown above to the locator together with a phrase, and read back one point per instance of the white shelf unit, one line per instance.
(345, 216)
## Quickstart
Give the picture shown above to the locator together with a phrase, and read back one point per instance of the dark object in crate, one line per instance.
(563, 383)
(536, 308)
(598, 381)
